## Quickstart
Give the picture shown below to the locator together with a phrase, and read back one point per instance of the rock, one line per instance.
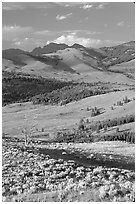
(81, 192)
(64, 153)
(90, 156)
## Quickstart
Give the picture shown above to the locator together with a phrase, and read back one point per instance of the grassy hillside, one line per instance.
(119, 54)
(127, 68)
(15, 55)
(55, 118)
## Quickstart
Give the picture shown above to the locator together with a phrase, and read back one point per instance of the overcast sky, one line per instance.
(29, 25)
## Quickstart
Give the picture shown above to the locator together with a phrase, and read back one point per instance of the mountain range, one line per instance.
(61, 58)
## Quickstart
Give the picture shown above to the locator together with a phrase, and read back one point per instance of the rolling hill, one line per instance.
(127, 68)
(17, 56)
(119, 54)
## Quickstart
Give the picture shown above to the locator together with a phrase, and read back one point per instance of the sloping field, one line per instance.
(126, 67)
(69, 56)
(59, 72)
(87, 73)
(122, 128)
(37, 67)
(50, 118)
(7, 65)
(130, 64)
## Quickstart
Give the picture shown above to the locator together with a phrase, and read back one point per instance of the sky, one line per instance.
(26, 25)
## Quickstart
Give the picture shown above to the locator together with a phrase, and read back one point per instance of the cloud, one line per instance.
(100, 6)
(43, 33)
(9, 6)
(69, 4)
(72, 39)
(45, 14)
(27, 38)
(83, 32)
(12, 6)
(109, 43)
(58, 17)
(121, 23)
(105, 25)
(27, 43)
(86, 6)
(11, 32)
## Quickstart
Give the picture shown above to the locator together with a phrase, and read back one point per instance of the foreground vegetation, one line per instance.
(29, 175)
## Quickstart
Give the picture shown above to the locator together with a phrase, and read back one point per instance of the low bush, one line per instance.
(95, 111)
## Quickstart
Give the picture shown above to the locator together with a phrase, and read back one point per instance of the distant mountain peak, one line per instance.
(49, 48)
(105, 56)
(76, 45)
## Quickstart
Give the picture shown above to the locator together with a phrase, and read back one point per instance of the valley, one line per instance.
(76, 106)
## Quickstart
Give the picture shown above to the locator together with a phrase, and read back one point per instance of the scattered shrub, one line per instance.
(126, 100)
(95, 111)
(42, 130)
(119, 103)
(117, 129)
(105, 128)
(81, 125)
